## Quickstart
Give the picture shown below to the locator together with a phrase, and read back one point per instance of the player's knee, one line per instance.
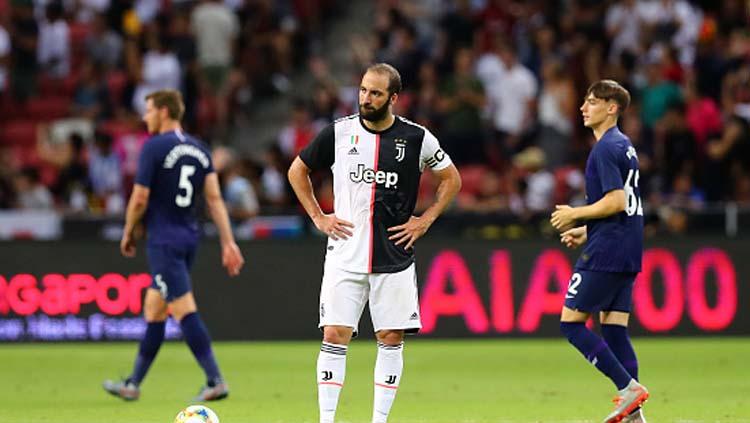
(155, 312)
(337, 335)
(390, 337)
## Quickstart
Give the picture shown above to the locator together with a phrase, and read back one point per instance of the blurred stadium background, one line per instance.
(498, 81)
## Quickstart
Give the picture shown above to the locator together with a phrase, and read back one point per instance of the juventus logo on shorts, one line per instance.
(327, 375)
(391, 379)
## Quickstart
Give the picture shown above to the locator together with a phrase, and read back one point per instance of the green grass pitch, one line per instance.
(457, 381)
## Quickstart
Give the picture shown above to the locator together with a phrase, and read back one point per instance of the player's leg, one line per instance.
(587, 292)
(614, 322)
(394, 307)
(331, 369)
(160, 260)
(342, 299)
(155, 313)
(389, 367)
(185, 311)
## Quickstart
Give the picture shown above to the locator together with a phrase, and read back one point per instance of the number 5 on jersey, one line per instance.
(186, 171)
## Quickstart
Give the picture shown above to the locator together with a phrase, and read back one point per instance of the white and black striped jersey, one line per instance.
(375, 185)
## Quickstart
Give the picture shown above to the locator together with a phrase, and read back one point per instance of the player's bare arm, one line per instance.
(231, 257)
(329, 224)
(136, 209)
(574, 238)
(564, 217)
(416, 227)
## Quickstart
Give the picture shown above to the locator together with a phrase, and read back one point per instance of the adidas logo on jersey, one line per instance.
(353, 151)
(368, 176)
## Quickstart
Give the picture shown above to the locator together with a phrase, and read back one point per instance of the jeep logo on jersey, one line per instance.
(368, 176)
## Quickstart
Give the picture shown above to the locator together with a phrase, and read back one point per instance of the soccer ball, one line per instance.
(196, 414)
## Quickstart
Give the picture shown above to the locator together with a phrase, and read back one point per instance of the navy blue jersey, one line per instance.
(174, 166)
(615, 243)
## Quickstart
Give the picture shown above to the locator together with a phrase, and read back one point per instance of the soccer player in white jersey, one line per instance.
(377, 159)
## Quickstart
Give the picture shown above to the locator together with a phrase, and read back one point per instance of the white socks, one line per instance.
(331, 371)
(388, 368)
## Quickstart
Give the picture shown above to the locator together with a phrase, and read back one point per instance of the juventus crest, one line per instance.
(400, 149)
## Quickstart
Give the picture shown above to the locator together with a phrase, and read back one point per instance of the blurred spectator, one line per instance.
(658, 94)
(457, 28)
(104, 45)
(273, 179)
(4, 57)
(91, 99)
(702, 115)
(557, 112)
(184, 46)
(128, 141)
(160, 70)
(623, 23)
(105, 175)
(69, 158)
(7, 172)
(53, 51)
(88, 10)
(424, 110)
(403, 53)
(684, 194)
(239, 193)
(460, 103)
(216, 27)
(673, 21)
(298, 132)
(24, 40)
(30, 192)
(540, 183)
(488, 198)
(511, 92)
(675, 146)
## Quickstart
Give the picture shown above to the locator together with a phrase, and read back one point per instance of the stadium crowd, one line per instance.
(498, 81)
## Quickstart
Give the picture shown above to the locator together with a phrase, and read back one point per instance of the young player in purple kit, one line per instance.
(612, 232)
(173, 169)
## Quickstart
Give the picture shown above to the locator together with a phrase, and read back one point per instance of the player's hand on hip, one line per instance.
(573, 238)
(334, 227)
(127, 245)
(231, 258)
(409, 232)
(563, 218)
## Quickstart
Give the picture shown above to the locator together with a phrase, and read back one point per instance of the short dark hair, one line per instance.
(394, 78)
(608, 89)
(171, 99)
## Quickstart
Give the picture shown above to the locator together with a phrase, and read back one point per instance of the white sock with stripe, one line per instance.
(331, 372)
(388, 368)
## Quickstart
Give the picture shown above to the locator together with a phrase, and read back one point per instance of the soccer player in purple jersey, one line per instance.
(612, 231)
(173, 169)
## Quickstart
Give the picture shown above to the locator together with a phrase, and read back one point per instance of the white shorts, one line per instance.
(393, 299)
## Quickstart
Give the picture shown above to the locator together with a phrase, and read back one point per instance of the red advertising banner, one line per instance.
(86, 291)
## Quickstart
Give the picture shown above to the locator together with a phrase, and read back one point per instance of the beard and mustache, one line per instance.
(373, 114)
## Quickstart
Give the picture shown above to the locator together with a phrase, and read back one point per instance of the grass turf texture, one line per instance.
(691, 380)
